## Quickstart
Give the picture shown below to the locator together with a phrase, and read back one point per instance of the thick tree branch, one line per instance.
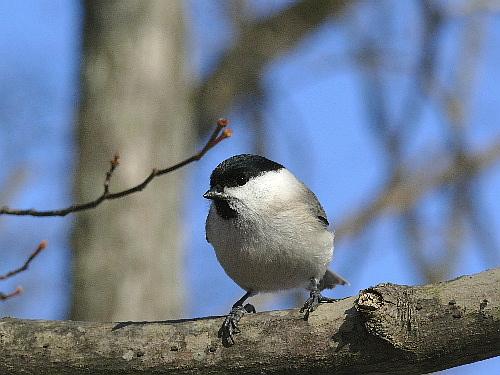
(387, 329)
(217, 136)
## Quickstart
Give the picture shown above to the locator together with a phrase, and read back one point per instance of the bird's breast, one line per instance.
(269, 254)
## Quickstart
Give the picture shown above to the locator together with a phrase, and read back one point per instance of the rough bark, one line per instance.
(128, 259)
(387, 329)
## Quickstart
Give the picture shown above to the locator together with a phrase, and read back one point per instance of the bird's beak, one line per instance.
(211, 194)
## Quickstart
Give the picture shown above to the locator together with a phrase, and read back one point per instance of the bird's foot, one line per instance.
(230, 325)
(315, 298)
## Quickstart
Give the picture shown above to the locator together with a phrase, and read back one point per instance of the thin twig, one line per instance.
(16, 292)
(5, 296)
(26, 264)
(218, 135)
(115, 162)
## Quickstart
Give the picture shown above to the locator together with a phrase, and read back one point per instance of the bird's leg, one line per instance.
(230, 325)
(315, 298)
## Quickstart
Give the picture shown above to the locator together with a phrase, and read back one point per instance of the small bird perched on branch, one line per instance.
(269, 233)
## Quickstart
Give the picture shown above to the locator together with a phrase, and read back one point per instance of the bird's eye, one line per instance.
(241, 180)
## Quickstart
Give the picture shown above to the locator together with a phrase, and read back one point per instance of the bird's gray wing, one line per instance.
(316, 207)
(331, 279)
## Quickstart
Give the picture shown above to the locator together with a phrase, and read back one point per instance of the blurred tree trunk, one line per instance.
(127, 260)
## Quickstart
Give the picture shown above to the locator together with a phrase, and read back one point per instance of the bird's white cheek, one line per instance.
(263, 192)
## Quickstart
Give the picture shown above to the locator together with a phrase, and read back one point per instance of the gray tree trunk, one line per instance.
(388, 329)
(127, 253)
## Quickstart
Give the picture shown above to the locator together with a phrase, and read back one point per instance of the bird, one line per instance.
(269, 232)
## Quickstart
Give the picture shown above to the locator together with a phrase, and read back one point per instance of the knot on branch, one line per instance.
(389, 313)
(369, 300)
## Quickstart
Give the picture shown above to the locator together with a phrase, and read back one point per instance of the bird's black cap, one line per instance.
(238, 169)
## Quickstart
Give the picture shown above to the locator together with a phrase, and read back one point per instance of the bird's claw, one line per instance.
(230, 325)
(315, 298)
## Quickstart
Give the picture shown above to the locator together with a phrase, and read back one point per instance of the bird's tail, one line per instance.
(331, 279)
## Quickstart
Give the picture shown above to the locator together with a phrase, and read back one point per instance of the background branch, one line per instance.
(240, 69)
(388, 329)
(402, 195)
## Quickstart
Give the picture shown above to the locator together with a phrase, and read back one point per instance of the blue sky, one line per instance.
(315, 125)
